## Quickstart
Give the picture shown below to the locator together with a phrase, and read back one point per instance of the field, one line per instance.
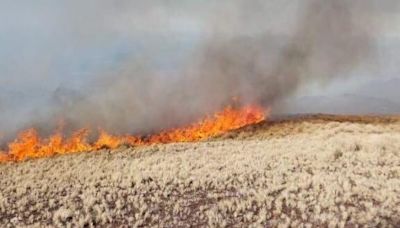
(298, 171)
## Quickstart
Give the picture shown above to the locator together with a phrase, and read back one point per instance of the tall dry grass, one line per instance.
(310, 172)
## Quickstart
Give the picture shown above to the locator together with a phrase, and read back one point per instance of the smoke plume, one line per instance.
(258, 51)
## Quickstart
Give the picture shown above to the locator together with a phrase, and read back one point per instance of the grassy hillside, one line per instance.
(302, 171)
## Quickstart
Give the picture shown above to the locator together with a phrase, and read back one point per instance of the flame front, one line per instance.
(30, 145)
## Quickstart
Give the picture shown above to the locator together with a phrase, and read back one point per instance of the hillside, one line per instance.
(301, 171)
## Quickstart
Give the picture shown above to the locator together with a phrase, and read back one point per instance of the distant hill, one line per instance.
(373, 97)
(386, 89)
(344, 104)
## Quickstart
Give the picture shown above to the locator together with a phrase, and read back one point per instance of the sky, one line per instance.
(67, 42)
(47, 46)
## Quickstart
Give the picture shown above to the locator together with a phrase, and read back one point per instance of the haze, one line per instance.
(139, 66)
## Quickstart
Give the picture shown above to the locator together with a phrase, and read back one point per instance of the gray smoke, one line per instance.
(259, 51)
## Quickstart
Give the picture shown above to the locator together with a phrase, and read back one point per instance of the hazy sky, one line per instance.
(46, 45)
(52, 43)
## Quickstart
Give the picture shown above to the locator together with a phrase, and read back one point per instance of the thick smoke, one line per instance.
(328, 40)
(258, 51)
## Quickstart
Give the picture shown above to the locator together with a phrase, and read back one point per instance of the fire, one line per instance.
(29, 144)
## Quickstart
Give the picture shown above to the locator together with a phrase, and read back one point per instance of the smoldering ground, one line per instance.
(259, 51)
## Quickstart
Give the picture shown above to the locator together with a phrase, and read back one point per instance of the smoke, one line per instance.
(182, 60)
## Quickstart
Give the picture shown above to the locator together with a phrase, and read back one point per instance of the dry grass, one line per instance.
(299, 172)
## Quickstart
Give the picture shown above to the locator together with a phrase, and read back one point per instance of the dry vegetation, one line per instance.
(300, 172)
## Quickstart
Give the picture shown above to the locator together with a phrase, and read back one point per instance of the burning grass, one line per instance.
(30, 145)
(312, 172)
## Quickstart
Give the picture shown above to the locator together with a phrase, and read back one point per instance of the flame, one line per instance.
(29, 144)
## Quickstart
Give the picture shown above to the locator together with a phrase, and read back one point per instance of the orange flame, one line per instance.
(29, 144)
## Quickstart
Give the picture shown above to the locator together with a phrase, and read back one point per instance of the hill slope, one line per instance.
(303, 171)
